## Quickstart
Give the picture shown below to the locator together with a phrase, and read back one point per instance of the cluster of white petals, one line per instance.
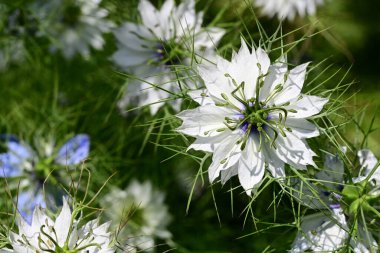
(321, 232)
(62, 235)
(288, 9)
(253, 117)
(151, 50)
(144, 211)
(73, 26)
(327, 230)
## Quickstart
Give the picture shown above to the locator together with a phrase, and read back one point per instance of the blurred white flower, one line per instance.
(73, 25)
(12, 50)
(143, 211)
(152, 51)
(60, 235)
(288, 9)
(254, 115)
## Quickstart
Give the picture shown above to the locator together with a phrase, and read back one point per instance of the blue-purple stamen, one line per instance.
(335, 198)
(164, 55)
(334, 206)
(325, 193)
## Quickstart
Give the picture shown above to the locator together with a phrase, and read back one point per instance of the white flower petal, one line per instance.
(62, 224)
(294, 151)
(201, 96)
(263, 60)
(225, 156)
(368, 162)
(216, 82)
(276, 76)
(251, 167)
(275, 165)
(209, 38)
(302, 128)
(209, 143)
(204, 120)
(149, 14)
(226, 175)
(307, 106)
(293, 85)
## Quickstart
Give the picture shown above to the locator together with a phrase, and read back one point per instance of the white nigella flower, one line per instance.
(143, 210)
(32, 167)
(254, 116)
(73, 25)
(288, 9)
(152, 51)
(327, 230)
(62, 235)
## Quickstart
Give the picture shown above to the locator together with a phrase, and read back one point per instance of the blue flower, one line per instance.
(22, 161)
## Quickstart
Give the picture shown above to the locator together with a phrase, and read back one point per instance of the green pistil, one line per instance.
(49, 242)
(43, 167)
(359, 197)
(255, 116)
(169, 53)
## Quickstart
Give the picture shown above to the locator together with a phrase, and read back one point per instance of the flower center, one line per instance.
(137, 218)
(169, 54)
(71, 14)
(43, 168)
(254, 119)
(257, 117)
(20, 23)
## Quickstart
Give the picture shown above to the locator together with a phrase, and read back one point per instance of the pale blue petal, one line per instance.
(74, 151)
(20, 151)
(28, 200)
(9, 166)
